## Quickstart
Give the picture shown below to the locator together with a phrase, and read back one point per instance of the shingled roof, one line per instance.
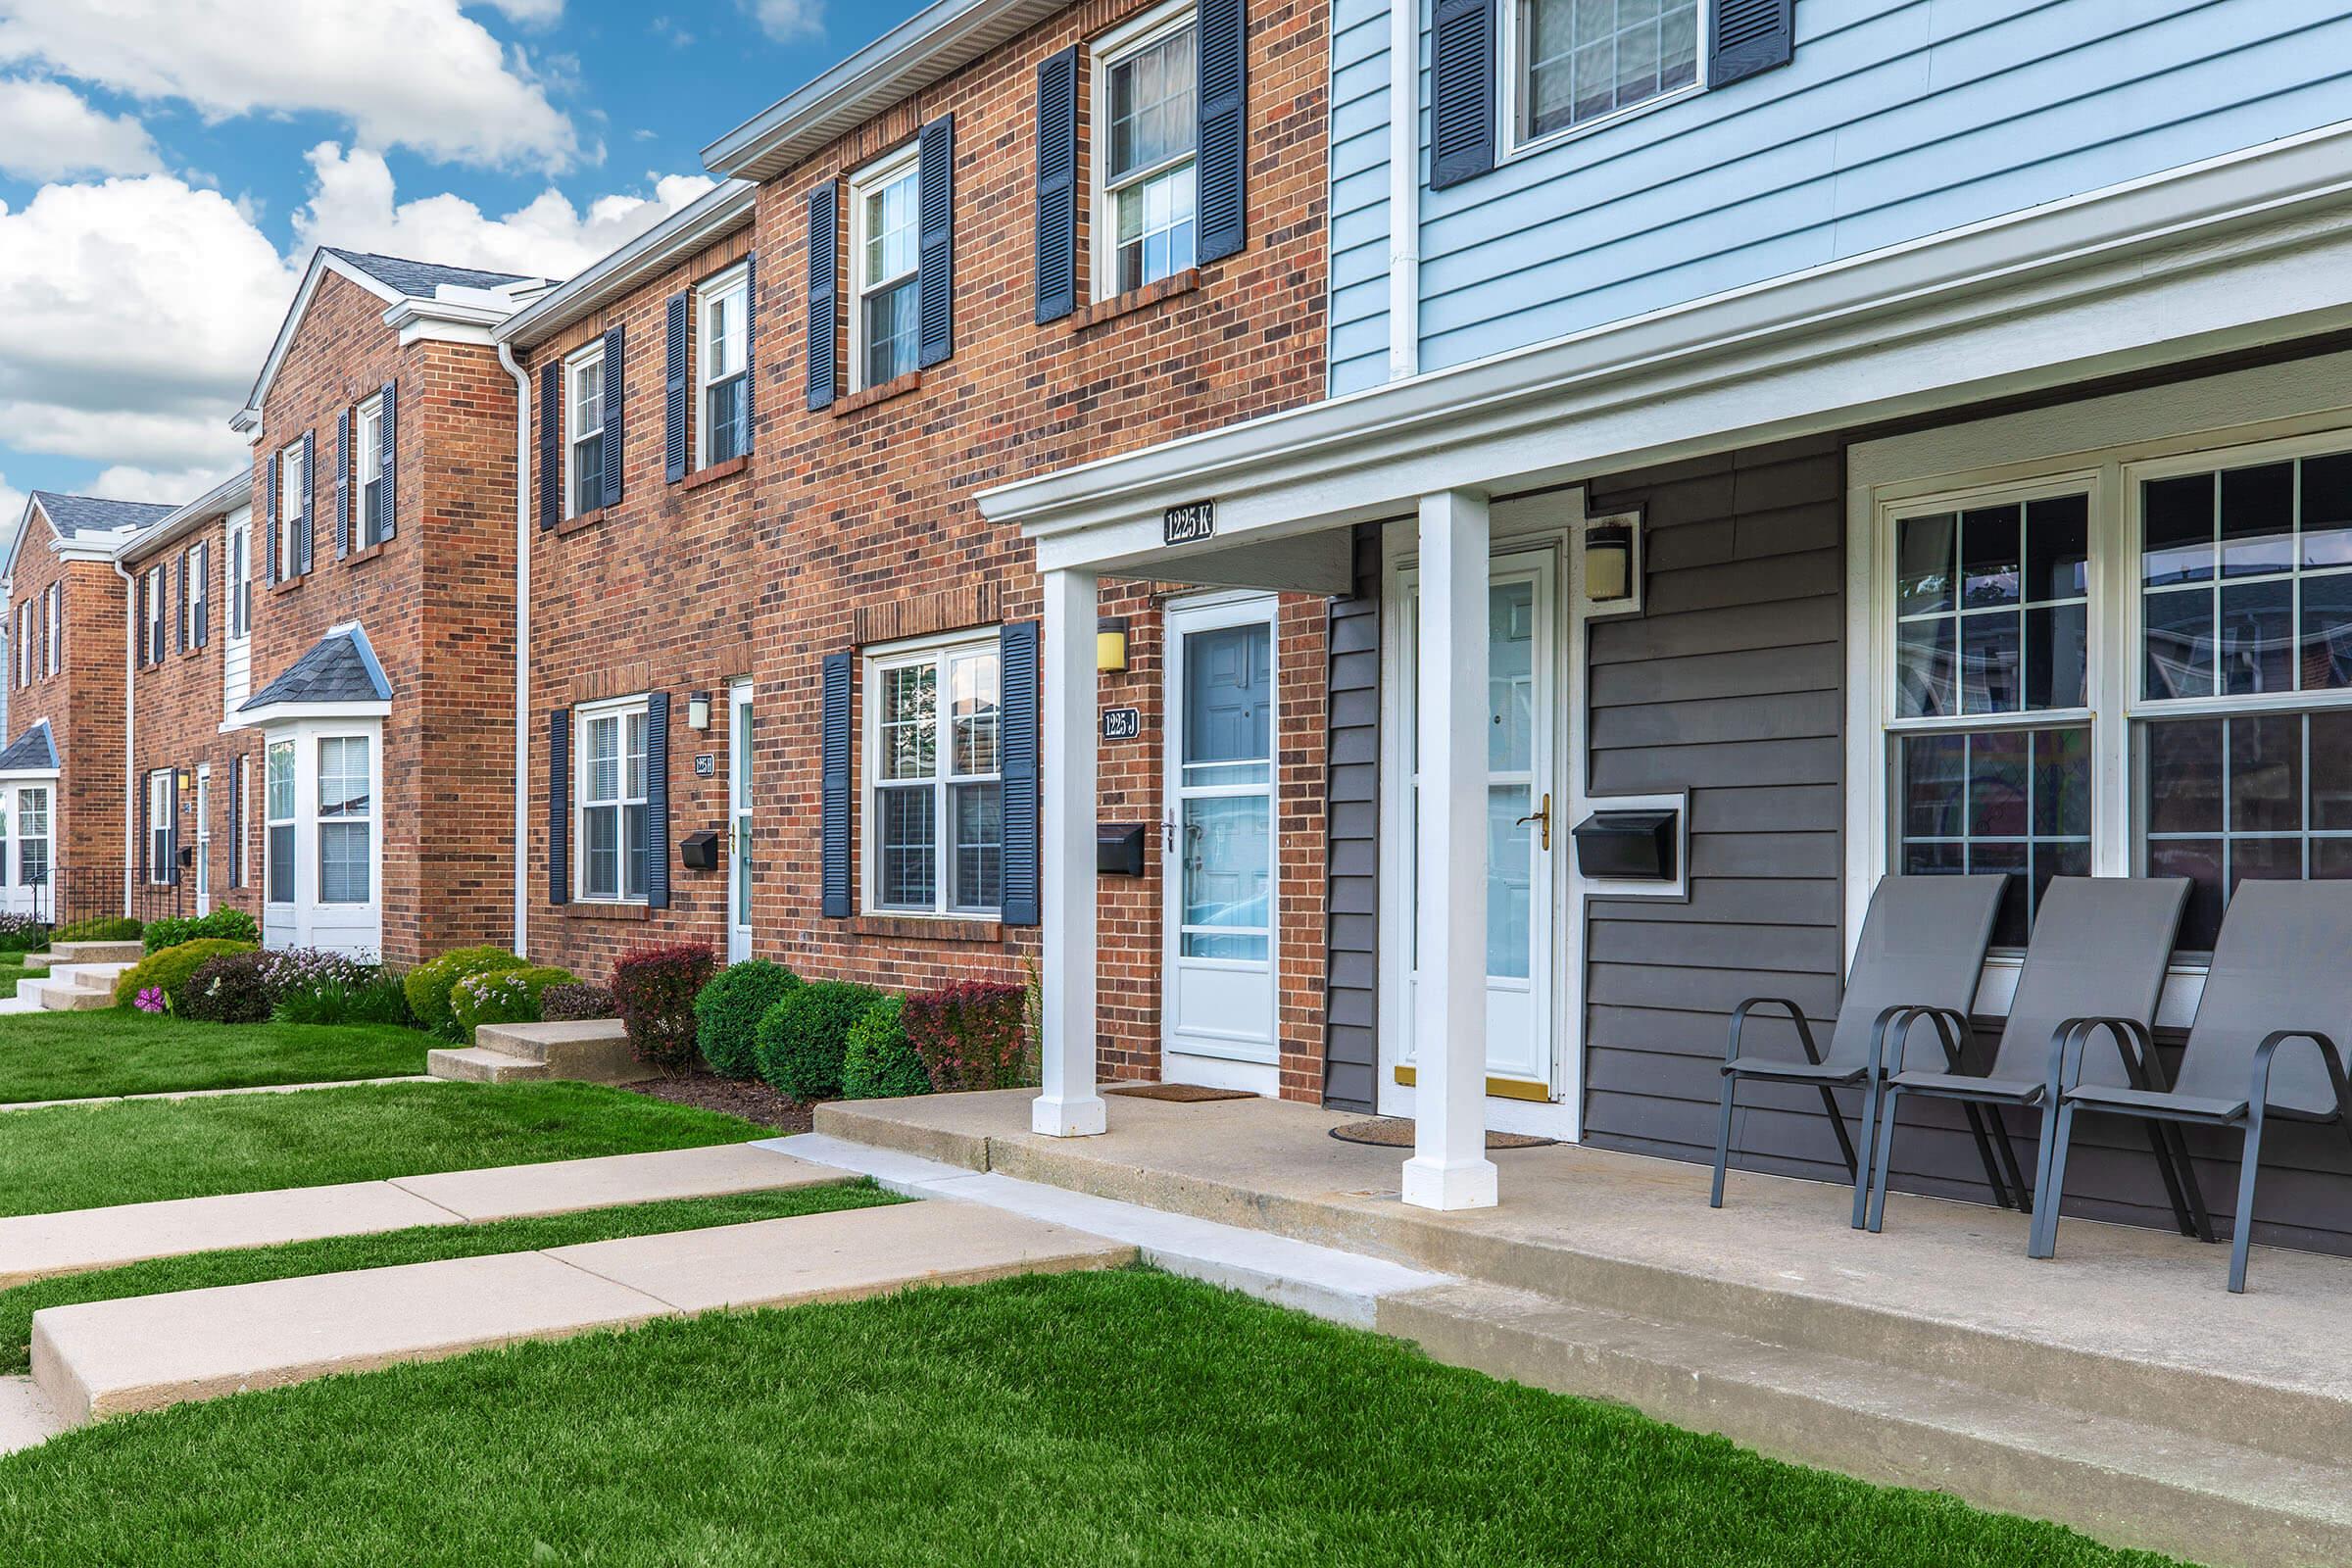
(77, 515)
(33, 752)
(418, 279)
(339, 667)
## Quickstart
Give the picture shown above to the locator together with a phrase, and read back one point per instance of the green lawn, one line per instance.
(1128, 1418)
(133, 1152)
(62, 1056)
(424, 1244)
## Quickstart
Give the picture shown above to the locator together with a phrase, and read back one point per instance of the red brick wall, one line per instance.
(82, 703)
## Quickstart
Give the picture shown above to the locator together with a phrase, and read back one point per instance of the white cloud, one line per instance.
(530, 13)
(785, 20)
(12, 509)
(415, 73)
(125, 481)
(48, 131)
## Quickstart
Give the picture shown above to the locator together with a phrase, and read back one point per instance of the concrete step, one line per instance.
(476, 1065)
(2127, 1482)
(124, 952)
(141, 1354)
(68, 994)
(591, 1051)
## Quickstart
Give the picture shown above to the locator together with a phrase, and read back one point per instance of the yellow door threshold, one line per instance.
(1497, 1088)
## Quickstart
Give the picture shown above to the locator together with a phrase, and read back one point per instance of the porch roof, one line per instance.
(33, 752)
(339, 669)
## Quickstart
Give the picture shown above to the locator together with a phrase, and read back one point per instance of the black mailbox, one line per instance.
(1627, 846)
(1119, 849)
(699, 852)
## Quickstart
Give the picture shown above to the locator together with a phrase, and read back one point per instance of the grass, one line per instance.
(1127, 1417)
(59, 1055)
(425, 1243)
(133, 1151)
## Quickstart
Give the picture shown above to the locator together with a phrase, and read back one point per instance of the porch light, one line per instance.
(1609, 559)
(697, 711)
(187, 782)
(1111, 644)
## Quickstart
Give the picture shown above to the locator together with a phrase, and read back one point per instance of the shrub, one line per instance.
(805, 1039)
(429, 984)
(970, 1035)
(22, 933)
(169, 970)
(228, 989)
(502, 996)
(653, 990)
(231, 925)
(575, 1003)
(104, 928)
(881, 1062)
(727, 1013)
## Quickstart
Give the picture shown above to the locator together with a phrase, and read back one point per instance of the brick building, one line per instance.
(764, 608)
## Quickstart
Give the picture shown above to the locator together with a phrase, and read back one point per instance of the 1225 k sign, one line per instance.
(1189, 524)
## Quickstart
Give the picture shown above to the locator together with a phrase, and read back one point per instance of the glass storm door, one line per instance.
(1523, 835)
(204, 841)
(739, 821)
(1218, 839)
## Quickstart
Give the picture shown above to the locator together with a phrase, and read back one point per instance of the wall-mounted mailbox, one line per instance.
(1627, 846)
(699, 852)
(1119, 849)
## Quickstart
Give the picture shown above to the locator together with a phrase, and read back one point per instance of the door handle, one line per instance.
(1541, 814)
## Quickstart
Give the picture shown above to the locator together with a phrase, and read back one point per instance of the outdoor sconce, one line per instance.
(187, 782)
(1111, 644)
(1609, 559)
(698, 712)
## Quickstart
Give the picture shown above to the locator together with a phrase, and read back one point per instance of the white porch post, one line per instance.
(1449, 1168)
(1068, 1104)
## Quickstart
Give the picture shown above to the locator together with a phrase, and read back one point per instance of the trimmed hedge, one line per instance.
(972, 1035)
(172, 969)
(230, 925)
(104, 928)
(228, 989)
(653, 990)
(805, 1039)
(429, 985)
(881, 1062)
(727, 1013)
(502, 996)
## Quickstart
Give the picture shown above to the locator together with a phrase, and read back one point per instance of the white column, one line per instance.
(1449, 1168)
(1067, 1105)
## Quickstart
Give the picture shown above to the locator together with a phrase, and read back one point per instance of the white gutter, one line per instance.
(132, 631)
(1404, 189)
(523, 643)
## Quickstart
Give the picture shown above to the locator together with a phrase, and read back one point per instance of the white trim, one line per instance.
(741, 803)
(877, 175)
(732, 281)
(306, 919)
(279, 714)
(619, 710)
(1105, 54)
(1510, 140)
(575, 365)
(696, 227)
(1405, 192)
(939, 650)
(368, 451)
(286, 526)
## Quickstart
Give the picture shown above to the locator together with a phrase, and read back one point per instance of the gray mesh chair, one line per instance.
(1921, 952)
(2099, 950)
(2278, 1001)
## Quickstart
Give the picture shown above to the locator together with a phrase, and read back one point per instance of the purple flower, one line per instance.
(150, 999)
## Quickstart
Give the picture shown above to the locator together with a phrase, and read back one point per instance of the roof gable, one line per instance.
(420, 279)
(339, 667)
(33, 752)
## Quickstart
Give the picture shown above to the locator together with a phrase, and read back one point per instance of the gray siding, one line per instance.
(1351, 912)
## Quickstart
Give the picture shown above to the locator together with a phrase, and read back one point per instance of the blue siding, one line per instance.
(1899, 119)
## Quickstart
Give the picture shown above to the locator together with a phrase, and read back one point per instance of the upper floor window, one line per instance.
(1577, 62)
(52, 641)
(196, 604)
(722, 362)
(886, 267)
(158, 602)
(370, 433)
(27, 646)
(584, 430)
(612, 823)
(240, 576)
(1145, 81)
(288, 523)
(936, 788)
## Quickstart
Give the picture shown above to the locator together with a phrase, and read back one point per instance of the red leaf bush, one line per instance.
(971, 1035)
(653, 990)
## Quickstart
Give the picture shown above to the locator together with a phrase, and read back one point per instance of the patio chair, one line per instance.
(2278, 999)
(1921, 952)
(2099, 950)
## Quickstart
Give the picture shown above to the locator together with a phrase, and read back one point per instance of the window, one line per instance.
(240, 579)
(885, 261)
(936, 794)
(369, 523)
(610, 821)
(584, 430)
(278, 815)
(722, 344)
(1148, 81)
(159, 605)
(346, 809)
(32, 835)
(25, 646)
(1580, 61)
(53, 644)
(160, 824)
(289, 511)
(194, 603)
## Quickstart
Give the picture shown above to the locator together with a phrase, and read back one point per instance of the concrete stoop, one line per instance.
(593, 1050)
(81, 986)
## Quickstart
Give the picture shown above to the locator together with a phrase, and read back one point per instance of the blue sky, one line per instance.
(166, 167)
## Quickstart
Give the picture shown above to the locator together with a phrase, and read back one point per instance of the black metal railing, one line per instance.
(68, 894)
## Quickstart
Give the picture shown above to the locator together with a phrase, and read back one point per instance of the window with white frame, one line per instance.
(277, 817)
(240, 579)
(584, 430)
(26, 648)
(886, 264)
(1146, 82)
(53, 637)
(193, 603)
(1578, 61)
(32, 835)
(935, 788)
(610, 823)
(158, 826)
(346, 819)
(369, 431)
(722, 363)
(289, 510)
(159, 605)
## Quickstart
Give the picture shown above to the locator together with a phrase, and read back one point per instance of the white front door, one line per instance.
(739, 821)
(204, 839)
(1218, 975)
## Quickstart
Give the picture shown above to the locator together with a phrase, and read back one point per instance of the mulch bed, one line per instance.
(748, 1098)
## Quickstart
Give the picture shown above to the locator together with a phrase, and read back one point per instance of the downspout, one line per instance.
(522, 643)
(130, 753)
(1404, 189)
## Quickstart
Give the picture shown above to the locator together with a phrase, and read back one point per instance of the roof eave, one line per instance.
(707, 219)
(218, 502)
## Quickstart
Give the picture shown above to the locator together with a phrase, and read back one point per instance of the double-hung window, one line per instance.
(611, 823)
(53, 643)
(288, 521)
(584, 430)
(196, 602)
(1575, 62)
(25, 646)
(721, 371)
(346, 819)
(886, 259)
(159, 602)
(240, 579)
(32, 835)
(369, 432)
(1146, 82)
(935, 814)
(278, 815)
(158, 826)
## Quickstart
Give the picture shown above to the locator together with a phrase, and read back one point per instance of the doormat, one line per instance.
(1180, 1094)
(1389, 1132)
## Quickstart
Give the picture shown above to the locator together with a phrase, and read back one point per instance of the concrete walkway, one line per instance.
(210, 1094)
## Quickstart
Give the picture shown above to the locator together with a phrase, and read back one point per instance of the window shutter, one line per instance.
(172, 835)
(835, 880)
(1222, 94)
(1461, 91)
(146, 830)
(657, 801)
(824, 294)
(1750, 36)
(310, 501)
(183, 629)
(1017, 642)
(269, 524)
(342, 484)
(1058, 187)
(559, 807)
(614, 347)
(25, 637)
(673, 395)
(386, 452)
(204, 597)
(935, 282)
(751, 346)
(551, 444)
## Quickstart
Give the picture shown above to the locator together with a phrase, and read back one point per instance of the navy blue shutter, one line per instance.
(310, 501)
(673, 395)
(614, 347)
(1057, 185)
(274, 478)
(180, 620)
(1750, 35)
(551, 444)
(1461, 91)
(1222, 72)
(824, 294)
(343, 485)
(25, 655)
(1017, 716)
(386, 452)
(834, 881)
(935, 181)
(146, 829)
(172, 835)
(559, 807)
(751, 345)
(657, 801)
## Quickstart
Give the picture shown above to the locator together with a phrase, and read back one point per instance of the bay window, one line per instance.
(278, 815)
(346, 819)
(611, 823)
(935, 791)
(32, 835)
